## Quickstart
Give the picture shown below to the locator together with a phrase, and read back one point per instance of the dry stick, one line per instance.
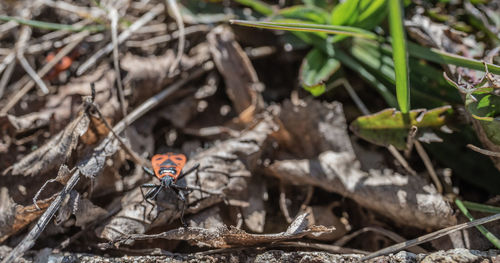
(410, 141)
(6, 77)
(81, 11)
(30, 238)
(7, 60)
(431, 236)
(168, 37)
(113, 13)
(127, 149)
(122, 37)
(361, 106)
(6, 27)
(283, 207)
(43, 71)
(172, 4)
(394, 236)
(31, 72)
(483, 151)
(25, 35)
(428, 164)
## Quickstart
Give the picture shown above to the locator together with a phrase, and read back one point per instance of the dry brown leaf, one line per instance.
(320, 130)
(241, 80)
(14, 217)
(55, 152)
(14, 125)
(83, 209)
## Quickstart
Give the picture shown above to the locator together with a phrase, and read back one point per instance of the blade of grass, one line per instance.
(480, 207)
(365, 74)
(492, 238)
(303, 27)
(52, 26)
(399, 55)
(431, 236)
(258, 6)
(437, 56)
(443, 57)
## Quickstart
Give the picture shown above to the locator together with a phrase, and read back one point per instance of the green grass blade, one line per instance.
(52, 26)
(492, 238)
(301, 27)
(370, 78)
(442, 57)
(258, 6)
(399, 55)
(481, 208)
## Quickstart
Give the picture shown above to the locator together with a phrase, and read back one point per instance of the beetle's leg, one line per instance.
(147, 196)
(189, 171)
(154, 193)
(148, 171)
(191, 188)
(181, 196)
(150, 192)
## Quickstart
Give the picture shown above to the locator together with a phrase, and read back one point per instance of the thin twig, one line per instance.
(399, 157)
(6, 27)
(29, 240)
(87, 12)
(394, 236)
(283, 206)
(431, 236)
(122, 37)
(113, 13)
(410, 141)
(7, 60)
(42, 72)
(31, 72)
(172, 4)
(6, 77)
(166, 38)
(20, 47)
(428, 164)
(483, 151)
(354, 96)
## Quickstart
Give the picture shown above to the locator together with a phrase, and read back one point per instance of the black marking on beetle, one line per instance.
(168, 162)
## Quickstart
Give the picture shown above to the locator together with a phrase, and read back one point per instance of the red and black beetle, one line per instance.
(168, 169)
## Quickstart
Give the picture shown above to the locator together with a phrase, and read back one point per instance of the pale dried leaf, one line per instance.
(321, 130)
(55, 152)
(254, 215)
(241, 80)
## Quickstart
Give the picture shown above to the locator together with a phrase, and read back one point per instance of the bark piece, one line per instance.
(232, 237)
